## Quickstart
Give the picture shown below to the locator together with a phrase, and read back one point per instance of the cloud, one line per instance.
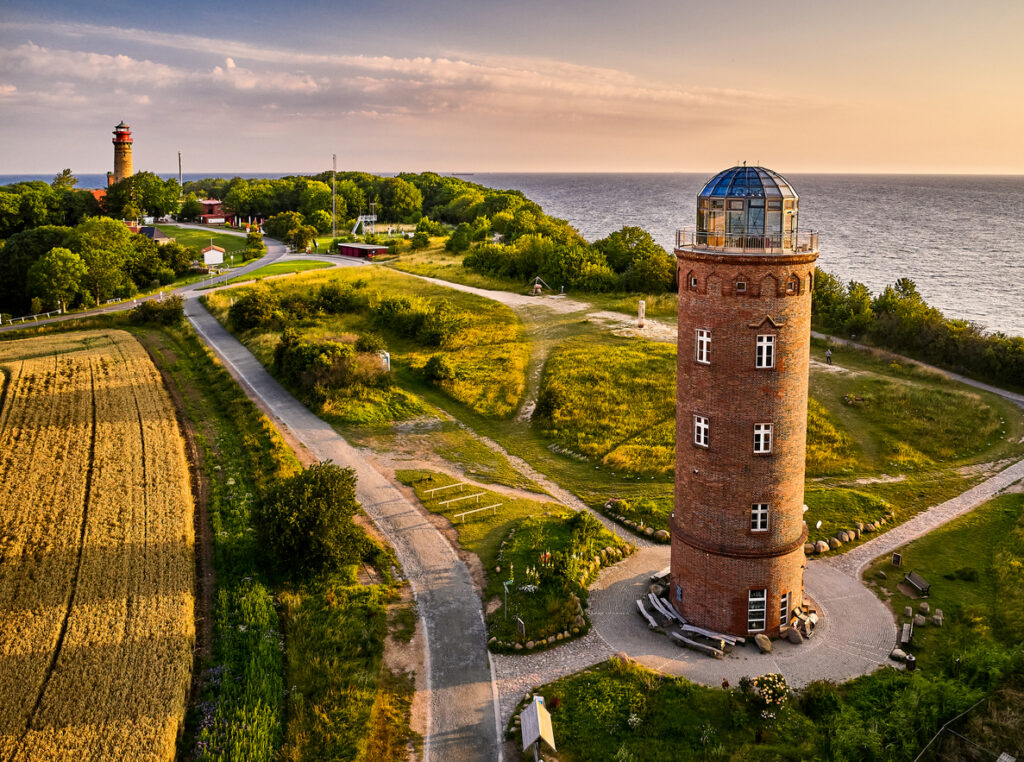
(399, 85)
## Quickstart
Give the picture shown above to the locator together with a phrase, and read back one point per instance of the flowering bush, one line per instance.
(772, 690)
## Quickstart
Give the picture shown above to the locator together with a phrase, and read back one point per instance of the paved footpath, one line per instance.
(462, 711)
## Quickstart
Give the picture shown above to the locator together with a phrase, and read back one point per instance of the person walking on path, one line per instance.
(828, 355)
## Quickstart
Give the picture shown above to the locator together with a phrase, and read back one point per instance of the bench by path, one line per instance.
(461, 706)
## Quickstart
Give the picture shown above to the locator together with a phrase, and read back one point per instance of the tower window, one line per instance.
(765, 357)
(762, 438)
(741, 286)
(700, 431)
(703, 346)
(793, 285)
(693, 281)
(759, 517)
(756, 606)
(784, 610)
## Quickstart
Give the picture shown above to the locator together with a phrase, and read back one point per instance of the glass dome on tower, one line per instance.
(747, 210)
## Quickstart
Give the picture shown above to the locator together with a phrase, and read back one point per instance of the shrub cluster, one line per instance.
(170, 312)
(433, 325)
(900, 319)
(258, 307)
(628, 259)
(316, 366)
(305, 521)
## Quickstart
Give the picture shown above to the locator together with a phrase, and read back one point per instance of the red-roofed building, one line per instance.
(213, 211)
(213, 255)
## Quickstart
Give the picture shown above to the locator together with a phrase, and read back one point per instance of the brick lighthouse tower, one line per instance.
(122, 154)
(745, 279)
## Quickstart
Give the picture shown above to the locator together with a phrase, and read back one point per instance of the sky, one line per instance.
(515, 85)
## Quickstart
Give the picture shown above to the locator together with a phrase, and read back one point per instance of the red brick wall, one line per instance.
(716, 557)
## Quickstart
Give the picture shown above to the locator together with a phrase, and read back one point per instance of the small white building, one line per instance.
(213, 255)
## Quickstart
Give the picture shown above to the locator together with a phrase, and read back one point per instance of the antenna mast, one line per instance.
(334, 203)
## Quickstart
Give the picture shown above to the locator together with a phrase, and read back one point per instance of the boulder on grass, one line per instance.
(661, 535)
(937, 620)
(843, 536)
(763, 643)
(834, 543)
(649, 531)
(898, 654)
(529, 645)
(808, 548)
(925, 608)
(881, 574)
(919, 620)
(821, 547)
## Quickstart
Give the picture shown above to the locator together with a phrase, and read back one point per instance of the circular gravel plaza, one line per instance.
(854, 635)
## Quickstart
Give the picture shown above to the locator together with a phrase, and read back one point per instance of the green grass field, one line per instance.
(201, 238)
(974, 565)
(279, 268)
(488, 355)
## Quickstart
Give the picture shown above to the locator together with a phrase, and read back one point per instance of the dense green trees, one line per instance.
(644, 266)
(900, 319)
(24, 206)
(143, 193)
(633, 262)
(117, 263)
(57, 277)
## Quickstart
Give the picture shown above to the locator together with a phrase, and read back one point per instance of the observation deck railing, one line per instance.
(803, 241)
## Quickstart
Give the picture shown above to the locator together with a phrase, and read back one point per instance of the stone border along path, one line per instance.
(462, 712)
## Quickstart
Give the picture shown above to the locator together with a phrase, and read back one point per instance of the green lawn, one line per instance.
(278, 268)
(975, 565)
(202, 238)
(549, 553)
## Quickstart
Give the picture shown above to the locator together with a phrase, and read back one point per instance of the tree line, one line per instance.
(58, 266)
(900, 319)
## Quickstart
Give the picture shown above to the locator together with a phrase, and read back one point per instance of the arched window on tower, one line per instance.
(793, 285)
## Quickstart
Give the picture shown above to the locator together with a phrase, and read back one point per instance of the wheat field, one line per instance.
(96, 552)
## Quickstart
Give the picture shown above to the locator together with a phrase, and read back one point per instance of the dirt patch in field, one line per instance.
(824, 367)
(626, 325)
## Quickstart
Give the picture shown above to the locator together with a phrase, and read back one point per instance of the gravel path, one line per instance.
(462, 710)
(854, 561)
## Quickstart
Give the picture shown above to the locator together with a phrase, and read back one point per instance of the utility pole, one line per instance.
(334, 203)
(180, 184)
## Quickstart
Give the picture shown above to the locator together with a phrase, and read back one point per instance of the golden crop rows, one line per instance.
(96, 553)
